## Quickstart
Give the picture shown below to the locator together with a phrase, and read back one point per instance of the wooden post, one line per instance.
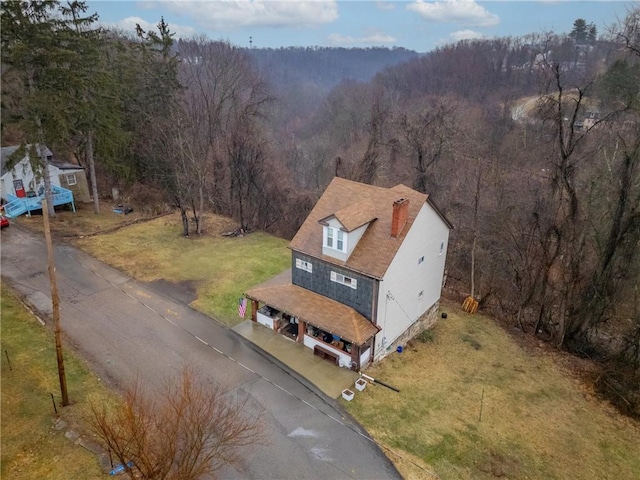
(56, 305)
(302, 327)
(254, 310)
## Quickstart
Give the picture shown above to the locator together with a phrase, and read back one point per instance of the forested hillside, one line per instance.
(323, 67)
(530, 145)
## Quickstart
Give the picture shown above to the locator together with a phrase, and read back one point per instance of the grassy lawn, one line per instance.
(218, 268)
(537, 420)
(31, 448)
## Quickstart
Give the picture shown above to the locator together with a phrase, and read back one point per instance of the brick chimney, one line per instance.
(399, 217)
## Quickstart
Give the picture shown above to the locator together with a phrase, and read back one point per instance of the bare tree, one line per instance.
(426, 136)
(368, 167)
(223, 100)
(194, 428)
(629, 30)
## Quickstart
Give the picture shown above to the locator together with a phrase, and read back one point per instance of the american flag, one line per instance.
(242, 306)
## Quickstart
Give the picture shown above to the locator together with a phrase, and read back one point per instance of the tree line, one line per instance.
(530, 145)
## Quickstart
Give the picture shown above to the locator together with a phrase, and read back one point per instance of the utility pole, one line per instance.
(56, 305)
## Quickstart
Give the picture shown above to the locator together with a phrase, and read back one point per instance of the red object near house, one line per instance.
(19, 188)
(4, 221)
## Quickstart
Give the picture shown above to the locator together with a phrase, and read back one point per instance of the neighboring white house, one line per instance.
(22, 182)
(21, 179)
(367, 271)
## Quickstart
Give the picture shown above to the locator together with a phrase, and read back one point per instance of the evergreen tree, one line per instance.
(592, 34)
(34, 55)
(94, 92)
(580, 31)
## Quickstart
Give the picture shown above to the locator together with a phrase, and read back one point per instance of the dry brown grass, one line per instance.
(84, 222)
(538, 421)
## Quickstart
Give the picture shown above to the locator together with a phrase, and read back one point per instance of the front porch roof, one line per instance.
(319, 311)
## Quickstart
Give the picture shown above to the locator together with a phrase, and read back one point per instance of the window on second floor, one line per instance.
(335, 238)
(302, 265)
(344, 280)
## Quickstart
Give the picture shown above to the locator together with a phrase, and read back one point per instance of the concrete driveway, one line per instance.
(125, 329)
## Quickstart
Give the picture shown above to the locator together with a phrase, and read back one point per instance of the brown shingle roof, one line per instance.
(319, 311)
(377, 248)
(356, 215)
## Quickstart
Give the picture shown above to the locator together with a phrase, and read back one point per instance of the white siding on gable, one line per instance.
(354, 238)
(406, 278)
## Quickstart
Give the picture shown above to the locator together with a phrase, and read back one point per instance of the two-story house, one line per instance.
(367, 271)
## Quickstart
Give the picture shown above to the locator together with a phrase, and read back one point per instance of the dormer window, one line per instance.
(335, 238)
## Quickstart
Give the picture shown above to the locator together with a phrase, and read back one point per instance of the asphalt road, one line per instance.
(127, 330)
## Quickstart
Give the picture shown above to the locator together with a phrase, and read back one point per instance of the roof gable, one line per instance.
(352, 203)
(7, 152)
(354, 216)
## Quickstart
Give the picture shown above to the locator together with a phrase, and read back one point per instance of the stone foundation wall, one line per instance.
(426, 321)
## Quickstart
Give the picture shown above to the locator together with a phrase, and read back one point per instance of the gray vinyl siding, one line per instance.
(319, 281)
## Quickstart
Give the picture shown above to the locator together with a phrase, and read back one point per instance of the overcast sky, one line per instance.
(419, 25)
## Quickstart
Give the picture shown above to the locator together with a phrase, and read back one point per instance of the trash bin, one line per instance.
(399, 349)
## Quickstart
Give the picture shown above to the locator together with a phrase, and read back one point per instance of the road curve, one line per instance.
(124, 330)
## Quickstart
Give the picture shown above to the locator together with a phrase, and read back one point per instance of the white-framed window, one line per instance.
(340, 245)
(303, 265)
(442, 245)
(421, 260)
(344, 280)
(71, 179)
(335, 239)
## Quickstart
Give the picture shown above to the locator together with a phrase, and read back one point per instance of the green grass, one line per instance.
(220, 268)
(31, 448)
(538, 421)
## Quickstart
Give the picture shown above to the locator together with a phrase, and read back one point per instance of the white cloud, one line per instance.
(232, 14)
(369, 38)
(465, 35)
(464, 12)
(128, 25)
